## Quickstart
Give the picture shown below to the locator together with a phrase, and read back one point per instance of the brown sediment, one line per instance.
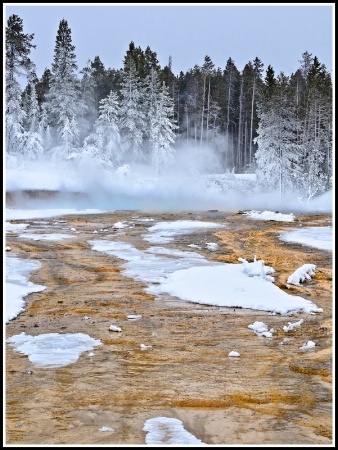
(273, 394)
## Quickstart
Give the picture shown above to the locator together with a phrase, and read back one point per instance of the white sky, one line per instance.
(278, 34)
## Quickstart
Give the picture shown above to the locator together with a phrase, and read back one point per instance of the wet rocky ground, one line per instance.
(272, 395)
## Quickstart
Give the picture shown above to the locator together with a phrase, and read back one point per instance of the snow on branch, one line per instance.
(257, 268)
(305, 272)
(289, 327)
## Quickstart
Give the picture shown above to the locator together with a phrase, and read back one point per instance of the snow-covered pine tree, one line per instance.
(70, 140)
(42, 86)
(32, 138)
(256, 83)
(14, 118)
(65, 103)
(87, 85)
(317, 132)
(44, 128)
(104, 144)
(132, 117)
(278, 153)
(161, 123)
(18, 47)
(32, 144)
(232, 76)
(98, 77)
(31, 105)
(207, 71)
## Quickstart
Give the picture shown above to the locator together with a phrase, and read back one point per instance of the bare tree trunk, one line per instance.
(239, 149)
(208, 111)
(204, 81)
(178, 113)
(186, 108)
(297, 118)
(245, 144)
(234, 148)
(328, 156)
(280, 162)
(228, 113)
(251, 120)
(232, 153)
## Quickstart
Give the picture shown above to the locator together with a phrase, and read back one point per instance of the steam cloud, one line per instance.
(193, 182)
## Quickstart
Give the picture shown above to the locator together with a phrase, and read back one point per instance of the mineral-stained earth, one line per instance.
(272, 395)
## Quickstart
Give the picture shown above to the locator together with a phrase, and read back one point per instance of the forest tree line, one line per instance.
(277, 126)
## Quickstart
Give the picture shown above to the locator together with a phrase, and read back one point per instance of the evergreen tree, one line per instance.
(317, 131)
(31, 105)
(270, 85)
(15, 117)
(207, 71)
(245, 105)
(136, 54)
(42, 86)
(278, 154)
(161, 122)
(31, 141)
(104, 143)
(44, 128)
(231, 75)
(191, 86)
(151, 61)
(98, 76)
(65, 102)
(87, 86)
(298, 90)
(171, 81)
(256, 84)
(32, 144)
(132, 116)
(305, 64)
(18, 46)
(70, 135)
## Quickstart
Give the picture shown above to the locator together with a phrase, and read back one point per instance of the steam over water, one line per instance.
(135, 187)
